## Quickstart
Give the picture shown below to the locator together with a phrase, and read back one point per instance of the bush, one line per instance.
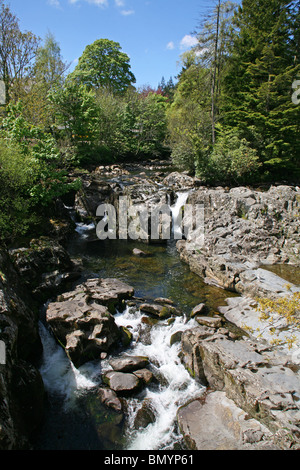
(231, 160)
(16, 175)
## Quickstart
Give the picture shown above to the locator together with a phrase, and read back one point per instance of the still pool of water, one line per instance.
(161, 274)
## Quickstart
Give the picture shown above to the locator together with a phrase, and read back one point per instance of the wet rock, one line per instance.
(145, 375)
(45, 266)
(145, 415)
(21, 386)
(160, 311)
(129, 363)
(216, 423)
(179, 181)
(109, 398)
(176, 337)
(81, 319)
(200, 309)
(140, 253)
(122, 383)
(126, 336)
(213, 322)
(163, 300)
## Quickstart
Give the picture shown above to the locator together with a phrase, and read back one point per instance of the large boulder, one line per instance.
(81, 319)
(243, 229)
(129, 363)
(216, 423)
(258, 381)
(45, 267)
(122, 383)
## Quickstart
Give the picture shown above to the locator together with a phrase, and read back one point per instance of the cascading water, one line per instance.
(176, 211)
(176, 385)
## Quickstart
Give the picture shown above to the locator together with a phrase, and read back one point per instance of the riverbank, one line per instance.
(245, 230)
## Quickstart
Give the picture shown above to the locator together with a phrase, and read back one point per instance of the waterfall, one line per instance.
(176, 211)
(59, 375)
(176, 388)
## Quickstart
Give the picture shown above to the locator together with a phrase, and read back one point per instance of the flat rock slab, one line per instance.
(121, 382)
(218, 424)
(129, 363)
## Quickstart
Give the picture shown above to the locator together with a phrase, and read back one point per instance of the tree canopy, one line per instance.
(104, 65)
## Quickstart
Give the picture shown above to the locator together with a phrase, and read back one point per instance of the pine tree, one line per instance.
(264, 63)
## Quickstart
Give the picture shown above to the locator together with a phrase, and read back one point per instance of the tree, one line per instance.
(213, 40)
(145, 123)
(264, 62)
(104, 65)
(17, 50)
(189, 127)
(75, 113)
(47, 72)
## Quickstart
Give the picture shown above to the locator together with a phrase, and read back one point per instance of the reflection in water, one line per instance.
(161, 274)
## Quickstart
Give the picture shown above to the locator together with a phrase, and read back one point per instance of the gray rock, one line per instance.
(81, 319)
(216, 423)
(122, 383)
(213, 322)
(244, 229)
(160, 311)
(129, 363)
(259, 382)
(145, 375)
(109, 398)
(199, 309)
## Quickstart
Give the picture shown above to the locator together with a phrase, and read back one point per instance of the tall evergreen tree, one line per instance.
(264, 63)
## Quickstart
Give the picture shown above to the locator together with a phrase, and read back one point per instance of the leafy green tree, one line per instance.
(104, 65)
(48, 71)
(231, 160)
(48, 177)
(188, 117)
(145, 124)
(75, 113)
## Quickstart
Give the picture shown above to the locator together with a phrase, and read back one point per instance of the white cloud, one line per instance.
(104, 3)
(170, 46)
(99, 3)
(188, 41)
(54, 3)
(127, 12)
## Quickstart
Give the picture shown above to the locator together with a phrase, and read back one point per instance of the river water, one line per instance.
(75, 418)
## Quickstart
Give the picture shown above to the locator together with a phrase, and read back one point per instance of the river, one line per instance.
(75, 419)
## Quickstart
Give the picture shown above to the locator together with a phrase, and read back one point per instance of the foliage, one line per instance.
(188, 117)
(232, 159)
(263, 63)
(17, 51)
(48, 72)
(145, 123)
(48, 178)
(104, 65)
(286, 308)
(17, 171)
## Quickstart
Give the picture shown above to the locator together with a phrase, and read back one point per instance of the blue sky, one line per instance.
(154, 33)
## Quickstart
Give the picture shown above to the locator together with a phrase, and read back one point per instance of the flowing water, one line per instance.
(75, 418)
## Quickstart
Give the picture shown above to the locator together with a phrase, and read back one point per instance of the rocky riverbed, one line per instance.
(249, 389)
